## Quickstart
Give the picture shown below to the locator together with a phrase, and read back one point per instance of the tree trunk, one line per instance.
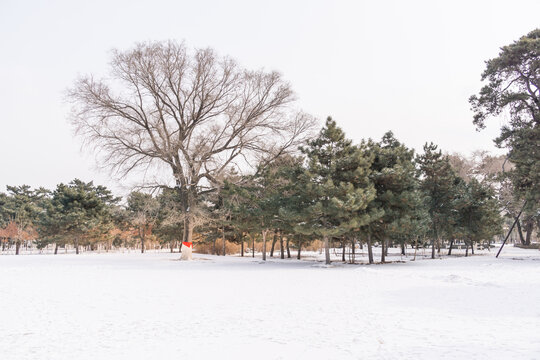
(223, 237)
(403, 248)
(529, 226)
(326, 251)
(383, 252)
(172, 246)
(288, 249)
(299, 249)
(343, 251)
(77, 246)
(450, 247)
(433, 248)
(370, 249)
(472, 248)
(253, 247)
(264, 244)
(55, 248)
(141, 233)
(466, 249)
(520, 232)
(274, 240)
(188, 237)
(214, 246)
(353, 249)
(388, 244)
(242, 245)
(281, 247)
(17, 247)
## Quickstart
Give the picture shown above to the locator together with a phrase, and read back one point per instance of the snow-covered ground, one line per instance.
(152, 306)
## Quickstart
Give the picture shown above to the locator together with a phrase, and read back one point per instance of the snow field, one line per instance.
(152, 306)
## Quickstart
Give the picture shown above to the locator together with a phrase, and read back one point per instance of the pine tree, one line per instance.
(395, 180)
(77, 208)
(439, 184)
(332, 196)
(479, 214)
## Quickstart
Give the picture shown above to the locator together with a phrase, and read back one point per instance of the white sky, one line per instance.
(408, 66)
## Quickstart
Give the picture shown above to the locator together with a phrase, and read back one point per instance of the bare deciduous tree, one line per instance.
(192, 111)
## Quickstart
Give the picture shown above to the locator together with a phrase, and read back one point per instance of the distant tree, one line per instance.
(440, 184)
(196, 113)
(170, 224)
(479, 214)
(76, 209)
(21, 208)
(393, 174)
(143, 211)
(331, 196)
(513, 87)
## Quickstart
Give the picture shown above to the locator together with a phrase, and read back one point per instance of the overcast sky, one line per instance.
(406, 66)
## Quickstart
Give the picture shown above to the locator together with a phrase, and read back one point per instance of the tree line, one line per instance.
(245, 165)
(375, 192)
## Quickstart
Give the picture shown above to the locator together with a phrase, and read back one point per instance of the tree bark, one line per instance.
(326, 251)
(403, 248)
(253, 247)
(141, 234)
(281, 248)
(223, 238)
(370, 248)
(55, 248)
(520, 232)
(529, 226)
(353, 250)
(242, 245)
(77, 246)
(433, 248)
(274, 240)
(264, 244)
(466, 249)
(343, 250)
(188, 237)
(288, 248)
(383, 252)
(17, 247)
(450, 247)
(299, 249)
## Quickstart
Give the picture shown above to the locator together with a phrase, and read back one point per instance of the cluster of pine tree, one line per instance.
(81, 215)
(351, 195)
(345, 195)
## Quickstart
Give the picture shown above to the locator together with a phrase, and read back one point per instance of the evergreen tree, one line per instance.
(439, 182)
(512, 86)
(22, 208)
(76, 209)
(332, 196)
(479, 214)
(169, 224)
(395, 179)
